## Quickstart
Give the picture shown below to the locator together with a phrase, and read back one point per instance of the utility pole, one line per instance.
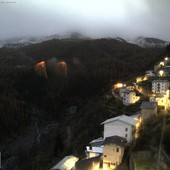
(160, 144)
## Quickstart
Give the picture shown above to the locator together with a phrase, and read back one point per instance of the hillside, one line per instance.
(148, 42)
(90, 69)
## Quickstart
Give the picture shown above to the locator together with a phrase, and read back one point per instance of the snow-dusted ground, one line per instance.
(148, 42)
(17, 42)
(140, 41)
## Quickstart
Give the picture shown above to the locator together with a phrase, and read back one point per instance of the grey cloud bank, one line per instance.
(95, 18)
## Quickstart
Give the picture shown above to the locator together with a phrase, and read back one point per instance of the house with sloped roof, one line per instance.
(123, 126)
(95, 148)
(113, 151)
(88, 164)
(148, 109)
(67, 163)
(129, 97)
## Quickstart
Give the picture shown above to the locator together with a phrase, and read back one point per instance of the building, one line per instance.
(150, 73)
(162, 100)
(148, 109)
(88, 164)
(121, 91)
(141, 78)
(123, 126)
(113, 151)
(166, 71)
(95, 148)
(160, 86)
(67, 163)
(129, 97)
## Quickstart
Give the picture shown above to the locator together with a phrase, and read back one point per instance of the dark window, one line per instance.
(126, 135)
(105, 156)
(126, 129)
(117, 149)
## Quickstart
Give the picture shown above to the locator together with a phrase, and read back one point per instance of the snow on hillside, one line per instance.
(149, 42)
(140, 41)
(18, 42)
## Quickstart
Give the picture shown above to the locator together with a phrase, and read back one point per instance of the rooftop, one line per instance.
(148, 105)
(136, 115)
(128, 91)
(123, 118)
(87, 163)
(66, 163)
(97, 142)
(160, 80)
(115, 140)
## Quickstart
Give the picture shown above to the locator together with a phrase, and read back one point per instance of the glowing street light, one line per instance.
(41, 69)
(161, 63)
(161, 72)
(166, 58)
(119, 85)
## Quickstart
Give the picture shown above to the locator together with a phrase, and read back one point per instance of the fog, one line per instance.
(94, 18)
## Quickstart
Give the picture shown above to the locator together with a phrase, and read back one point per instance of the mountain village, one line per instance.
(112, 148)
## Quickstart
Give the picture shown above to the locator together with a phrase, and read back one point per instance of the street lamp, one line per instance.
(161, 72)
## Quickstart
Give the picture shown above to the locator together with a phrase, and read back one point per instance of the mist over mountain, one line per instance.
(141, 41)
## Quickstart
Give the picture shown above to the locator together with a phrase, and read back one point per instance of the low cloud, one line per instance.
(124, 18)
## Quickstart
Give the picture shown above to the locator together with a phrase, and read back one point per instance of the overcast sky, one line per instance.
(95, 18)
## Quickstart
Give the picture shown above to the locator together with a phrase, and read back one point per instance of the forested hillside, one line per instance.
(90, 69)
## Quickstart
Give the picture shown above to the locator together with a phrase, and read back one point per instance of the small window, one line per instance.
(126, 129)
(126, 135)
(117, 149)
(113, 150)
(105, 156)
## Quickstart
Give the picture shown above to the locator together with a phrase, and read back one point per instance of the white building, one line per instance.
(160, 86)
(150, 73)
(129, 97)
(95, 148)
(123, 126)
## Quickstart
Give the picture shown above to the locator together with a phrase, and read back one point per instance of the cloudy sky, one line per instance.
(95, 18)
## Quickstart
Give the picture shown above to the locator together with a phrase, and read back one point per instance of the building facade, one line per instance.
(129, 97)
(95, 148)
(123, 126)
(148, 109)
(113, 151)
(160, 86)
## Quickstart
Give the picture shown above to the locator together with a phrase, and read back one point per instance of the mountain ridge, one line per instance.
(146, 42)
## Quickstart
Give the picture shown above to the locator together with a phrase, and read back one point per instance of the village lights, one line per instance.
(70, 162)
(119, 85)
(95, 166)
